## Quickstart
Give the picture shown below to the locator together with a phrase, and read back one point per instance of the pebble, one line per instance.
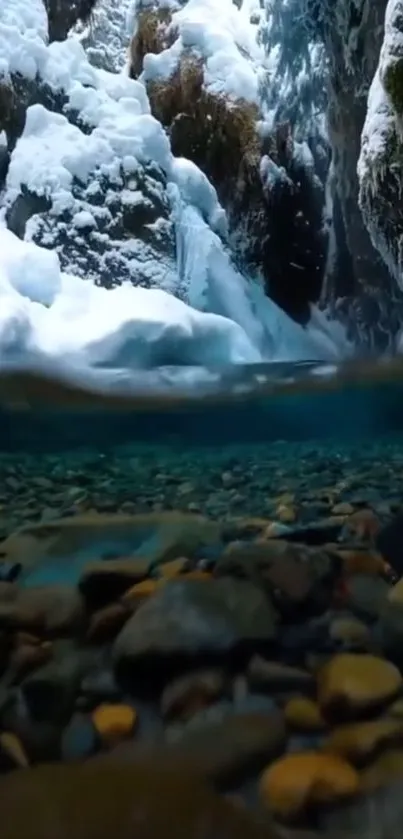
(296, 782)
(351, 684)
(114, 723)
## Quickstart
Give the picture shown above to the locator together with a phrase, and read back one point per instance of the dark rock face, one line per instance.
(360, 281)
(63, 14)
(359, 287)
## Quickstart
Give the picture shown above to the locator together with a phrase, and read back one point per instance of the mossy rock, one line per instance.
(98, 800)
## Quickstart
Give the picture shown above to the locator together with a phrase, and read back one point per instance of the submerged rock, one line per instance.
(188, 618)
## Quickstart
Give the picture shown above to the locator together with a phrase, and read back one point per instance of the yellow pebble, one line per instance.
(12, 746)
(114, 722)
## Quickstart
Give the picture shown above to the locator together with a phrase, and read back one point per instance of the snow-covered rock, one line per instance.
(109, 221)
(205, 72)
(380, 166)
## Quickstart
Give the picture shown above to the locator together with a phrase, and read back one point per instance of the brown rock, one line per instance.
(47, 609)
(295, 575)
(352, 684)
(192, 692)
(303, 714)
(297, 782)
(274, 676)
(189, 617)
(358, 742)
(106, 623)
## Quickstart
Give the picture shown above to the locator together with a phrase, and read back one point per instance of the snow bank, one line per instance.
(223, 36)
(51, 316)
(23, 36)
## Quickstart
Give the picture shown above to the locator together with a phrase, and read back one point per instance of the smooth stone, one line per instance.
(352, 684)
(79, 739)
(114, 722)
(296, 782)
(189, 617)
(295, 576)
(358, 742)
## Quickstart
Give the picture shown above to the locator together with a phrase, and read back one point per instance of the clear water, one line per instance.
(285, 448)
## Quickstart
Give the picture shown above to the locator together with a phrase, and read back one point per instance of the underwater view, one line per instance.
(201, 607)
(201, 419)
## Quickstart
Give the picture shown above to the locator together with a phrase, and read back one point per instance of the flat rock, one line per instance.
(189, 617)
(60, 550)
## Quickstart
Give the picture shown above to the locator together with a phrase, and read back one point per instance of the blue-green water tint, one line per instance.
(66, 568)
(350, 411)
(57, 461)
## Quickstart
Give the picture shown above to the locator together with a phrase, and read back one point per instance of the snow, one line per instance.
(217, 316)
(55, 316)
(220, 34)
